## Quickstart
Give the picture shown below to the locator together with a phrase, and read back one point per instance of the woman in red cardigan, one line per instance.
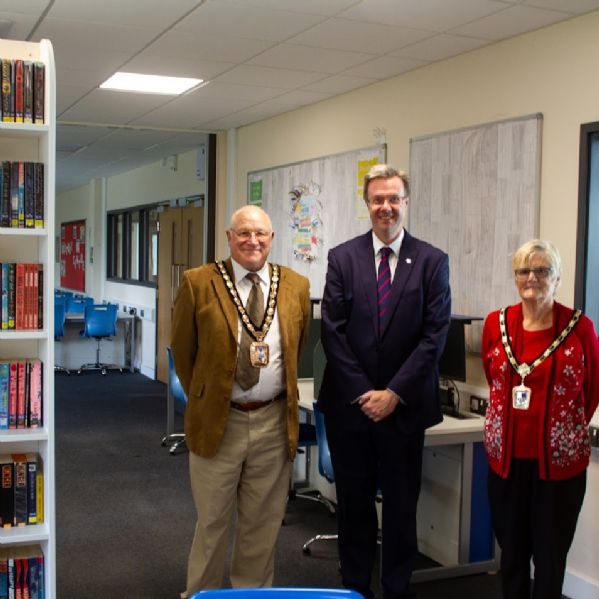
(541, 360)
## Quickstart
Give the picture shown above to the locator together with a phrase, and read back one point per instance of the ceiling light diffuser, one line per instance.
(149, 84)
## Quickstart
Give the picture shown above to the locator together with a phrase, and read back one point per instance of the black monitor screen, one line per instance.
(453, 360)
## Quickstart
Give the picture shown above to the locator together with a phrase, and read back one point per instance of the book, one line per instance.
(3, 572)
(5, 198)
(12, 267)
(7, 496)
(8, 108)
(35, 393)
(38, 192)
(27, 91)
(18, 90)
(29, 195)
(32, 461)
(4, 381)
(39, 76)
(20, 487)
(14, 194)
(4, 283)
(12, 393)
(39, 491)
(19, 296)
(21, 193)
(40, 296)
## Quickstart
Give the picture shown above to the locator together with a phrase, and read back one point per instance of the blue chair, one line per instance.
(308, 438)
(325, 468)
(277, 593)
(175, 400)
(100, 323)
(59, 318)
(77, 305)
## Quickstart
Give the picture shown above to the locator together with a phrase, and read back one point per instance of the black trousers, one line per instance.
(536, 519)
(374, 457)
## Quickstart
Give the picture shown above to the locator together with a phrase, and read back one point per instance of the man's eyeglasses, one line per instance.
(539, 273)
(380, 200)
(246, 235)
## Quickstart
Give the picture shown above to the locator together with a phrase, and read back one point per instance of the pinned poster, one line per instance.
(72, 255)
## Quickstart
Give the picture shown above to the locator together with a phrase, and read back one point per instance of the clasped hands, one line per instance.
(377, 405)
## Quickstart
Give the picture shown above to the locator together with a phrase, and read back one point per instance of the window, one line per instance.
(586, 293)
(132, 245)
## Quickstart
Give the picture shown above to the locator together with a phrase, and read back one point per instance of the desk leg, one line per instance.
(129, 342)
(465, 504)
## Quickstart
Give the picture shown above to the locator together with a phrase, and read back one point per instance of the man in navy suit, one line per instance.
(383, 332)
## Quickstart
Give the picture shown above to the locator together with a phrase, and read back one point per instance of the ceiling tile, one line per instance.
(571, 6)
(305, 58)
(509, 22)
(237, 18)
(385, 66)
(431, 15)
(440, 46)
(20, 25)
(117, 12)
(103, 106)
(257, 93)
(257, 75)
(185, 66)
(75, 135)
(338, 84)
(316, 7)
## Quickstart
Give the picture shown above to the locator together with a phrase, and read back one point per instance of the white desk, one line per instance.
(445, 505)
(73, 350)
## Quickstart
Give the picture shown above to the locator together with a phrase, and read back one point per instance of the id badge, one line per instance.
(521, 397)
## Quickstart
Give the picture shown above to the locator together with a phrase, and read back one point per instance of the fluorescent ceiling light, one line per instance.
(149, 84)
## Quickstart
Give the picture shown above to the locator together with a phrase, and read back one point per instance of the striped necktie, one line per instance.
(384, 289)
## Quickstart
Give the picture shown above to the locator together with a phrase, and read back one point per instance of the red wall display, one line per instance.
(72, 255)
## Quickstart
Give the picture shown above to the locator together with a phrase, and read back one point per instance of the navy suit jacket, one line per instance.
(405, 357)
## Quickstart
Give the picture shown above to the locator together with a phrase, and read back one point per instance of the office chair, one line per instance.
(100, 323)
(325, 468)
(277, 593)
(59, 318)
(308, 438)
(77, 305)
(175, 398)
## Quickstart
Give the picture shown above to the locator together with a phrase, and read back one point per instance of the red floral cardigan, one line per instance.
(574, 384)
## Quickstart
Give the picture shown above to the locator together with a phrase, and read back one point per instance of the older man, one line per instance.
(385, 314)
(238, 329)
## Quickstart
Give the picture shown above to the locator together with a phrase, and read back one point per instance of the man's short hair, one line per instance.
(384, 171)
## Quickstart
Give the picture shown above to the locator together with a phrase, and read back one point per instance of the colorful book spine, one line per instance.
(38, 191)
(14, 194)
(27, 91)
(32, 460)
(5, 199)
(20, 296)
(29, 195)
(21, 192)
(8, 107)
(35, 394)
(4, 282)
(7, 494)
(12, 394)
(39, 76)
(4, 385)
(18, 90)
(20, 482)
(12, 267)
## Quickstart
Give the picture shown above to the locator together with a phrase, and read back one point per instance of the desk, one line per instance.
(73, 350)
(446, 511)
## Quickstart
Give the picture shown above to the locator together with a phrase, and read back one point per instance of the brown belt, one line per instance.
(250, 406)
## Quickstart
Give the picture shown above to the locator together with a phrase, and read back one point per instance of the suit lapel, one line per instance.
(367, 272)
(282, 307)
(224, 297)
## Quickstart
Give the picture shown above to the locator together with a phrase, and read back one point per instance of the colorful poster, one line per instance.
(72, 255)
(305, 221)
(256, 192)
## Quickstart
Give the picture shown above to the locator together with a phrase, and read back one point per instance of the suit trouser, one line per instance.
(251, 471)
(377, 456)
(534, 518)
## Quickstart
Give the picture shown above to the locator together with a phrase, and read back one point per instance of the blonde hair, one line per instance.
(521, 257)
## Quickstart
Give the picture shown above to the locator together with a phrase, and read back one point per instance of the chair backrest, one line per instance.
(59, 316)
(100, 320)
(325, 465)
(77, 305)
(174, 384)
(277, 593)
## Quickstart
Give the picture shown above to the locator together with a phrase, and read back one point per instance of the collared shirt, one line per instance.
(377, 244)
(272, 377)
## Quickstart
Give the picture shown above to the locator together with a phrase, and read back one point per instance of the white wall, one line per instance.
(150, 184)
(551, 71)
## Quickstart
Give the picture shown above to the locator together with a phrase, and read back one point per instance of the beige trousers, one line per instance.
(251, 473)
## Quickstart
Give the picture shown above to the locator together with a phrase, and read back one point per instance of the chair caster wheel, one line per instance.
(103, 372)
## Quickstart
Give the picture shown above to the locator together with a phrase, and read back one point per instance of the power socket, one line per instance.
(594, 436)
(478, 405)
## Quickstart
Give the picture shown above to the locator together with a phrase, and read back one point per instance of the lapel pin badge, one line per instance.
(408, 260)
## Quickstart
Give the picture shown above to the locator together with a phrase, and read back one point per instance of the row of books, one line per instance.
(22, 91)
(21, 490)
(22, 572)
(22, 194)
(22, 285)
(21, 393)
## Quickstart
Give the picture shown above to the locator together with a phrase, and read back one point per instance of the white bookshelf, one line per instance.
(35, 143)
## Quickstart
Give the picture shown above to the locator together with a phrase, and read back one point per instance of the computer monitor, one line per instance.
(453, 360)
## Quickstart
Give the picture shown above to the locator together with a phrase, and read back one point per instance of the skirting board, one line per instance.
(578, 586)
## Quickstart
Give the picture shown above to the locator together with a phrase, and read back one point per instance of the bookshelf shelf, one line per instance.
(22, 142)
